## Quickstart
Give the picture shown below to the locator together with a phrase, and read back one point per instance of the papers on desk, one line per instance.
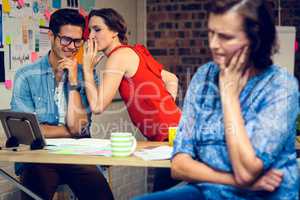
(84, 146)
(157, 153)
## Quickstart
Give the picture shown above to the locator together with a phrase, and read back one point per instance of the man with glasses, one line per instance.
(56, 95)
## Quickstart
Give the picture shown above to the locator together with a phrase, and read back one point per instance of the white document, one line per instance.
(84, 146)
(81, 142)
(157, 153)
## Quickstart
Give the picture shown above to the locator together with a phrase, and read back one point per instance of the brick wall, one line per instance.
(177, 34)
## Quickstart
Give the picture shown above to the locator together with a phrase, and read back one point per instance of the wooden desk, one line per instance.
(43, 156)
(25, 155)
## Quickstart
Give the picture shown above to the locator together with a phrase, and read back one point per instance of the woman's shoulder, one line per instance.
(124, 56)
(123, 51)
(282, 78)
(208, 71)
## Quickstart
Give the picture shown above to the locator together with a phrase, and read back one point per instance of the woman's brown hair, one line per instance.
(258, 25)
(113, 20)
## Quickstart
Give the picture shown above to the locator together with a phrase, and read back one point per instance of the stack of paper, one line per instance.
(84, 146)
(157, 153)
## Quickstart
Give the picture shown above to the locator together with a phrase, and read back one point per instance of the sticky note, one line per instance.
(34, 56)
(56, 3)
(7, 40)
(8, 84)
(35, 7)
(296, 46)
(47, 14)
(42, 22)
(21, 3)
(6, 6)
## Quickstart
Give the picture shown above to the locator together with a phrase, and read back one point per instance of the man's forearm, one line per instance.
(50, 131)
(76, 116)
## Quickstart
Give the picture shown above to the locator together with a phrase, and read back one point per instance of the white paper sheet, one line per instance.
(158, 153)
(82, 142)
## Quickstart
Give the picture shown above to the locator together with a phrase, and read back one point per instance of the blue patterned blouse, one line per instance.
(269, 104)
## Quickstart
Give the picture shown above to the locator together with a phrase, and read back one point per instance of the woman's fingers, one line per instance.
(223, 65)
(242, 59)
(271, 180)
(276, 172)
(234, 60)
(276, 175)
(95, 47)
(269, 188)
(98, 58)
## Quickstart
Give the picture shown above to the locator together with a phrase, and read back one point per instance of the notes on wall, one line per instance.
(19, 39)
(20, 42)
(44, 42)
(6, 6)
(56, 4)
(22, 20)
(8, 84)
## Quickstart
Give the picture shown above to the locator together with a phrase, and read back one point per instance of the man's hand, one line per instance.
(71, 66)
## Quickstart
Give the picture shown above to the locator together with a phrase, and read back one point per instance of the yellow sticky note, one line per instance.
(6, 6)
(42, 22)
(7, 40)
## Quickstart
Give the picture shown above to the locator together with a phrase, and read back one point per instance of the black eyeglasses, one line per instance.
(66, 41)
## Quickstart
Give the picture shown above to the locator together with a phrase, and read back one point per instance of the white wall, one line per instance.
(286, 40)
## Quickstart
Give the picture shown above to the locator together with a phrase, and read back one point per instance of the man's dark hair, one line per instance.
(258, 26)
(65, 16)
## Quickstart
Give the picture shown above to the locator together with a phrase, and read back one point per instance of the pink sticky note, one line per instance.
(8, 84)
(34, 56)
(47, 14)
(21, 3)
(296, 46)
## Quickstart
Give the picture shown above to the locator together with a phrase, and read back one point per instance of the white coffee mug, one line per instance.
(122, 144)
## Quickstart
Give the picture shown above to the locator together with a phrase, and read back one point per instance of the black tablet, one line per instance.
(21, 128)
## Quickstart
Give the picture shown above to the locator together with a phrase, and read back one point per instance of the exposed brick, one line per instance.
(158, 52)
(189, 19)
(150, 43)
(190, 7)
(157, 34)
(188, 25)
(184, 51)
(197, 24)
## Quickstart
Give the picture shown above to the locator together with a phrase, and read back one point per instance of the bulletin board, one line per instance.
(24, 36)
